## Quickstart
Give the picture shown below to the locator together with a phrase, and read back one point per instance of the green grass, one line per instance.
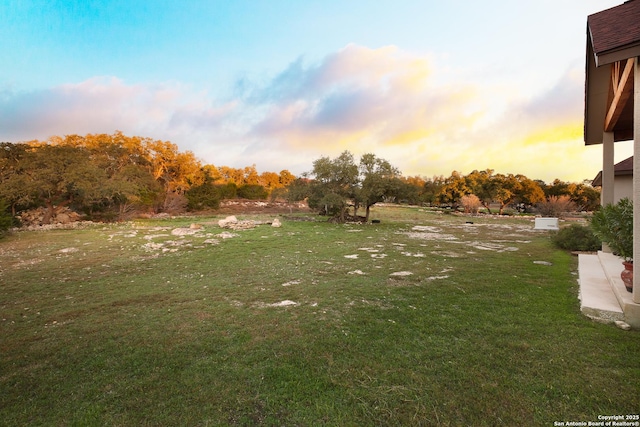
(99, 329)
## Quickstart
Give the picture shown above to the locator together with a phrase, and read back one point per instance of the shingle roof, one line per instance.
(614, 30)
(623, 168)
(612, 35)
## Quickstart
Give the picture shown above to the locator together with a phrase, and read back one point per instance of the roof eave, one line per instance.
(597, 76)
(596, 94)
(609, 57)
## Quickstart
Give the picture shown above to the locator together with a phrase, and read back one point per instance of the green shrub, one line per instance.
(253, 192)
(614, 225)
(228, 191)
(205, 196)
(329, 204)
(577, 237)
(6, 220)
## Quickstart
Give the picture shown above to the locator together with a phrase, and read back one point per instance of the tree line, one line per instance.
(109, 176)
(508, 190)
(335, 185)
(112, 176)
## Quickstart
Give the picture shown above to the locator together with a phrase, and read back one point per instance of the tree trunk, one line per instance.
(51, 210)
(49, 213)
(366, 218)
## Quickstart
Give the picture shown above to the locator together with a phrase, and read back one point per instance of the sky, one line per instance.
(431, 86)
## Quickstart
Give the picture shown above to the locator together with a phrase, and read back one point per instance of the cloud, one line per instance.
(541, 137)
(394, 104)
(104, 104)
(79, 108)
(419, 114)
(358, 98)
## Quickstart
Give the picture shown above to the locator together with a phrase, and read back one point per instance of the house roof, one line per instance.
(624, 168)
(612, 35)
(615, 33)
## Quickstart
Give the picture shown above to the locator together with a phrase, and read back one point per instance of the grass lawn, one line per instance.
(423, 319)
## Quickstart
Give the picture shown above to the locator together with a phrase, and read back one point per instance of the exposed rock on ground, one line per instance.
(184, 231)
(259, 206)
(232, 223)
(228, 221)
(36, 216)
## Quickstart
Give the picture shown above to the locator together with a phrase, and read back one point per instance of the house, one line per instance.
(622, 181)
(612, 107)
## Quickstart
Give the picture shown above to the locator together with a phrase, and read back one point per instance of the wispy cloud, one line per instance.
(394, 103)
(359, 99)
(104, 104)
(541, 136)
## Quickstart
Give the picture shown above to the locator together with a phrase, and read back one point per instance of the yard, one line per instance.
(423, 319)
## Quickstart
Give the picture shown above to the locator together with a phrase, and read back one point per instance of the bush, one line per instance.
(614, 225)
(278, 194)
(253, 192)
(471, 203)
(205, 196)
(228, 191)
(330, 204)
(577, 237)
(6, 220)
(556, 206)
(175, 203)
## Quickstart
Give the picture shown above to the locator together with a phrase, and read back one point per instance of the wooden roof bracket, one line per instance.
(621, 85)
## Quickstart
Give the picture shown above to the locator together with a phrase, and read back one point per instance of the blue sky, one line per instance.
(431, 86)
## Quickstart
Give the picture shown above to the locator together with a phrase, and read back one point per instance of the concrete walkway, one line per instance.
(603, 296)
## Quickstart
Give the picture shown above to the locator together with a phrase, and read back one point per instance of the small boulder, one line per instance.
(63, 218)
(276, 223)
(225, 223)
(401, 274)
(226, 235)
(284, 303)
(623, 325)
(183, 231)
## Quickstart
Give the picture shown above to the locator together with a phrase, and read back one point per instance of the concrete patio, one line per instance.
(603, 296)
